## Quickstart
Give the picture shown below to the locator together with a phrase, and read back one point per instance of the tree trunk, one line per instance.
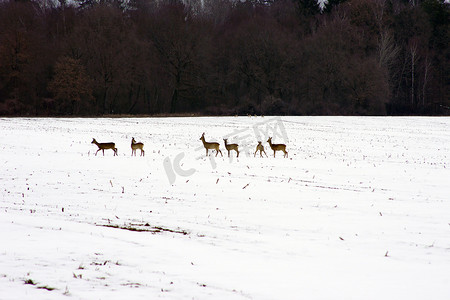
(425, 79)
(174, 101)
(136, 99)
(413, 50)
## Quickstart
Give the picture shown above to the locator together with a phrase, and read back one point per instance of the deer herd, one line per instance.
(112, 146)
(207, 145)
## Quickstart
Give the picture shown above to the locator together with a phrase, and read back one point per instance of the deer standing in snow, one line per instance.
(277, 147)
(260, 148)
(135, 146)
(230, 147)
(212, 146)
(104, 146)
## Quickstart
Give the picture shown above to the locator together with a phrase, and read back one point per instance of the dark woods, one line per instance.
(224, 57)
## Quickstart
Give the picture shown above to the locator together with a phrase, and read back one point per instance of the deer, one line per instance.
(230, 147)
(277, 147)
(135, 146)
(260, 147)
(212, 146)
(104, 146)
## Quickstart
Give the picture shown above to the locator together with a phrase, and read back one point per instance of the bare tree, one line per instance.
(71, 85)
(426, 73)
(413, 60)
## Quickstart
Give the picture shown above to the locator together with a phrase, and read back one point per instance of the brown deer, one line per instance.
(260, 147)
(230, 147)
(212, 146)
(277, 147)
(135, 146)
(104, 146)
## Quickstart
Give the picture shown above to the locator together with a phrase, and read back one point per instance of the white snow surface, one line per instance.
(360, 209)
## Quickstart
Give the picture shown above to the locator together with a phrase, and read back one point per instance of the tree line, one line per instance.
(224, 57)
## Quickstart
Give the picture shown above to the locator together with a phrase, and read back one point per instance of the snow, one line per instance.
(359, 210)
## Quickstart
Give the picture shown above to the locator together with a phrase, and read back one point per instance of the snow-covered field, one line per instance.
(359, 210)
